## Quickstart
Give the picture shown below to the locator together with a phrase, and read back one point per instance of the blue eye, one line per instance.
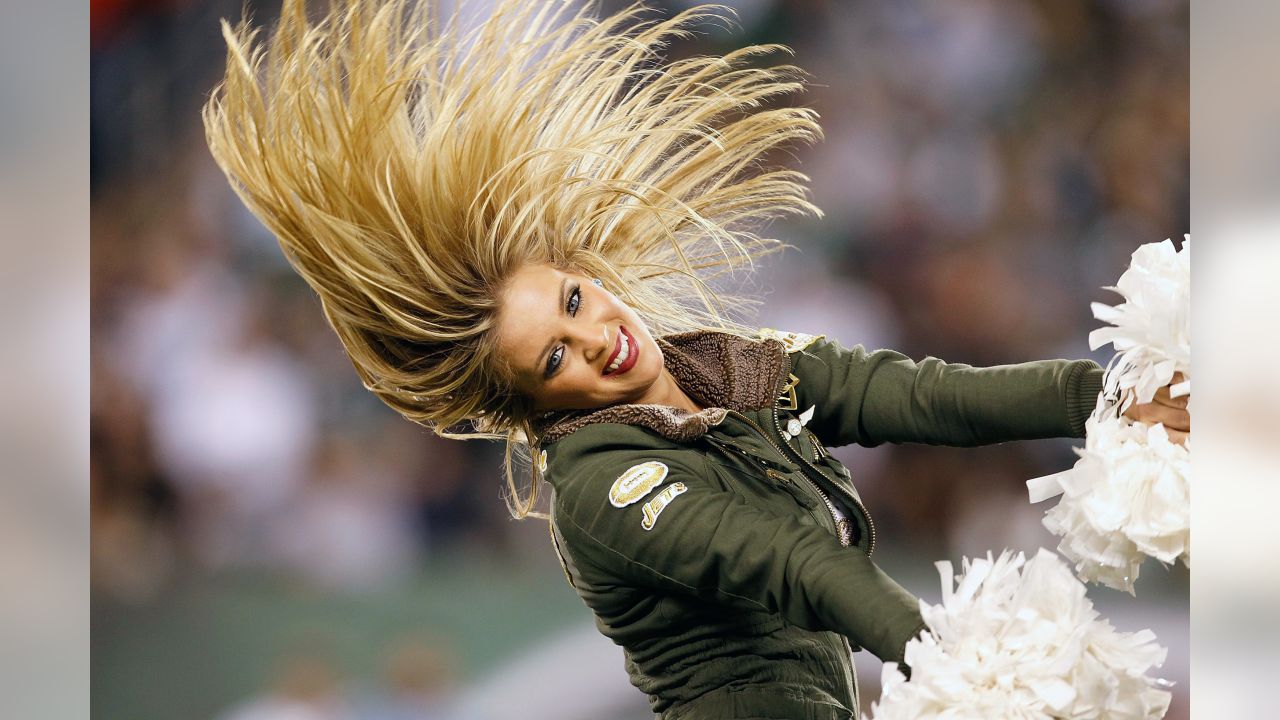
(571, 306)
(554, 360)
(575, 301)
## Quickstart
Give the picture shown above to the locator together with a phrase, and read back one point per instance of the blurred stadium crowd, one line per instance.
(988, 166)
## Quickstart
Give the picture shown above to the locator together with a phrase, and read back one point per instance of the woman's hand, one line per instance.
(1169, 411)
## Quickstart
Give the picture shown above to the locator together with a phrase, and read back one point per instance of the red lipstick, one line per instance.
(633, 353)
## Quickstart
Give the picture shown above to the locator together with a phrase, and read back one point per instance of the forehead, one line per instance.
(529, 317)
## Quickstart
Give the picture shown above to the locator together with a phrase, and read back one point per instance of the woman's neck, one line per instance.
(666, 391)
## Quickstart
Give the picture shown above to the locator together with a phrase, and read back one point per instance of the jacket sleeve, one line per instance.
(707, 542)
(884, 396)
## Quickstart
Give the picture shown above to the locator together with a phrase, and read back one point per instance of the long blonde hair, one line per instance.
(408, 165)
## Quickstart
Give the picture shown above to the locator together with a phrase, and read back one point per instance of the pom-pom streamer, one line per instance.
(1128, 496)
(1017, 640)
(1151, 329)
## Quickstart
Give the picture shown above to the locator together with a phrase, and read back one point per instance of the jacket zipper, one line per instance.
(844, 529)
(871, 524)
(777, 426)
(844, 533)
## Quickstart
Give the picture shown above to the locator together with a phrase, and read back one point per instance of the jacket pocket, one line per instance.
(761, 484)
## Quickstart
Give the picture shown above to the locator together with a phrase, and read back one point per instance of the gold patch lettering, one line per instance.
(636, 482)
(654, 507)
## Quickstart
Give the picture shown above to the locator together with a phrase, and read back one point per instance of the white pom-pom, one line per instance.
(1151, 329)
(1128, 496)
(1017, 639)
(1126, 499)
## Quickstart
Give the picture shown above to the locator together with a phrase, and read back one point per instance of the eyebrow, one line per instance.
(540, 366)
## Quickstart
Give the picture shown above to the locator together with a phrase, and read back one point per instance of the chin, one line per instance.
(646, 374)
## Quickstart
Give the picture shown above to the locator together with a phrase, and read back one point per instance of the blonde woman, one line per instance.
(512, 228)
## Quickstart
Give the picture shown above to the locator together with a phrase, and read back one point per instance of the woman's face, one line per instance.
(572, 344)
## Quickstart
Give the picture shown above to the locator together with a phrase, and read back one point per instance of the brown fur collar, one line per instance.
(719, 371)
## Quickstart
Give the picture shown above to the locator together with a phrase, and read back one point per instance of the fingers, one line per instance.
(1165, 410)
(1177, 423)
(1164, 398)
(1172, 417)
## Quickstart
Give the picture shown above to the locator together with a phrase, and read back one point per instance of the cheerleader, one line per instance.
(512, 228)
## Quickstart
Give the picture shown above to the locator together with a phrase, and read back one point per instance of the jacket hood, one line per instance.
(718, 370)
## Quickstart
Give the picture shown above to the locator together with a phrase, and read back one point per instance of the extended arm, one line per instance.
(884, 396)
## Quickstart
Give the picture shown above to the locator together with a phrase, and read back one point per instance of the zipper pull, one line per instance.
(844, 530)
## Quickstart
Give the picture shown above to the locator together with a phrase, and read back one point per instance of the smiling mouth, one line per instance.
(624, 354)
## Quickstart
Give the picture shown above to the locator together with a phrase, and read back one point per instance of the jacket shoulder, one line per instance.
(792, 342)
(614, 465)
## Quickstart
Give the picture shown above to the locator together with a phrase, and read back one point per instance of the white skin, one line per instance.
(558, 330)
(1170, 411)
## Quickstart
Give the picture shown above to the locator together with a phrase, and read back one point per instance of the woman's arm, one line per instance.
(709, 543)
(884, 396)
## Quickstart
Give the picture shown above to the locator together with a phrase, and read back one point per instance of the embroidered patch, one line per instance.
(792, 341)
(542, 462)
(654, 507)
(636, 482)
(795, 425)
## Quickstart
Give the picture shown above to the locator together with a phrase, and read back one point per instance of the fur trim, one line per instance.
(719, 371)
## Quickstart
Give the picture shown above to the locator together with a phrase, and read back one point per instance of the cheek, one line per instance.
(648, 368)
(581, 387)
(654, 355)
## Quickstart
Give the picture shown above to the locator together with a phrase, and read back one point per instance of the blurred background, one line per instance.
(270, 542)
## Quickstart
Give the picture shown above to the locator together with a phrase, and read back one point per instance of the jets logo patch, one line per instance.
(636, 482)
(654, 507)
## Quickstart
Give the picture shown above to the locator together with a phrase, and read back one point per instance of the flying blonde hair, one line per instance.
(409, 165)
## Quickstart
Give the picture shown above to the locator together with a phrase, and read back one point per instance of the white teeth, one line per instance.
(622, 355)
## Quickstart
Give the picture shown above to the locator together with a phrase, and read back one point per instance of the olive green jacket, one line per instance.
(707, 544)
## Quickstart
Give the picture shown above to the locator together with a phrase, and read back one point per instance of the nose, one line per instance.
(595, 341)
